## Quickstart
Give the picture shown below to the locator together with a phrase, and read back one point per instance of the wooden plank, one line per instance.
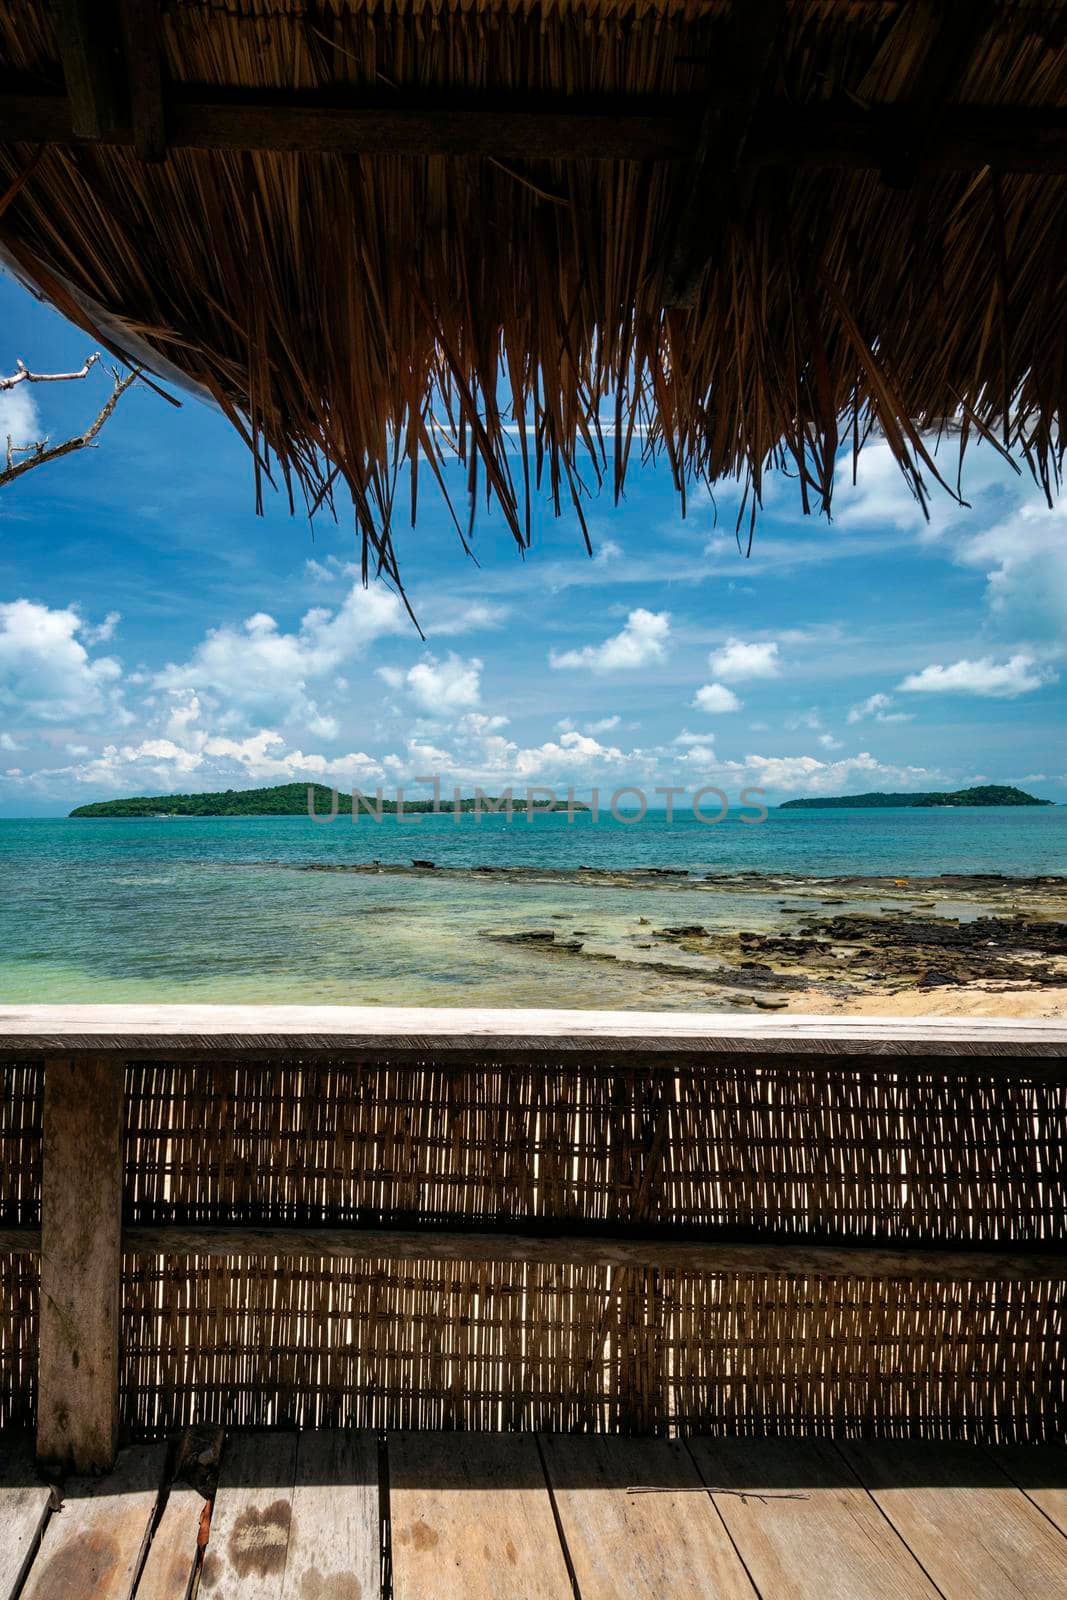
(334, 1548)
(803, 1526)
(1041, 1473)
(974, 1532)
(81, 1256)
(193, 1029)
(471, 1517)
(250, 1522)
(25, 1505)
(20, 1241)
(626, 1546)
(687, 1255)
(171, 1560)
(94, 1545)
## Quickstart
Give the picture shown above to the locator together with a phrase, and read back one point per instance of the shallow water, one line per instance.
(217, 910)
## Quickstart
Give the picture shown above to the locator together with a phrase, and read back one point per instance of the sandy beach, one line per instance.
(1049, 1004)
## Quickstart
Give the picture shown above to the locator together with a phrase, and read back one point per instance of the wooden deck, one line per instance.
(431, 1516)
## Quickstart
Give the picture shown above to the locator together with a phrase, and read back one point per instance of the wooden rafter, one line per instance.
(88, 52)
(953, 29)
(139, 20)
(845, 137)
(736, 76)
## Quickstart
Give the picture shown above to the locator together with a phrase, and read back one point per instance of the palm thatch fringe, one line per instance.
(361, 319)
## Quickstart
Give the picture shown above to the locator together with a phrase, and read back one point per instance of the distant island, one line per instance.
(988, 794)
(284, 800)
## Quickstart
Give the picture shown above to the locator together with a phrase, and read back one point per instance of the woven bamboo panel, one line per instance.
(977, 1361)
(19, 1281)
(457, 1345)
(394, 1344)
(21, 1089)
(892, 1153)
(903, 1154)
(21, 1093)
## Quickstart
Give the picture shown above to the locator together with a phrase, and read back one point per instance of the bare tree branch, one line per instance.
(40, 453)
(23, 375)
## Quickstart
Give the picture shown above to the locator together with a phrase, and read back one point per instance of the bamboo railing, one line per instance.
(554, 1220)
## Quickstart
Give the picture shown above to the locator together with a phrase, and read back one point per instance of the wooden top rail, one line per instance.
(202, 1029)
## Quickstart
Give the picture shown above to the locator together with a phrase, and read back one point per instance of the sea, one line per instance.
(227, 910)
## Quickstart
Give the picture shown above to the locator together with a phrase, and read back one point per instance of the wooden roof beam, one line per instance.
(835, 137)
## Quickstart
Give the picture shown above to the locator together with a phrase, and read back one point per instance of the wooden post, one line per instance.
(81, 1258)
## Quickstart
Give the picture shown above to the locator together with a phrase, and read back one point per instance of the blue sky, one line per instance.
(156, 635)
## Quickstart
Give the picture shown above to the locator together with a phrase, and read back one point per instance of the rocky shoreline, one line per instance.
(781, 941)
(843, 954)
(681, 878)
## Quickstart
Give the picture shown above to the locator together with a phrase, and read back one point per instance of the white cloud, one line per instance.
(46, 673)
(260, 670)
(881, 498)
(602, 725)
(607, 550)
(476, 724)
(440, 688)
(828, 741)
(160, 765)
(738, 661)
(877, 706)
(1000, 680)
(467, 618)
(184, 713)
(701, 756)
(809, 775)
(423, 758)
(330, 570)
(574, 754)
(8, 743)
(103, 631)
(870, 707)
(19, 420)
(687, 738)
(641, 642)
(1024, 557)
(321, 725)
(805, 719)
(715, 698)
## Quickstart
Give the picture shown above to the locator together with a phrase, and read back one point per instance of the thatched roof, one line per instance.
(738, 232)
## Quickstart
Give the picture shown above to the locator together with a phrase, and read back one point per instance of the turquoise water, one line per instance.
(215, 909)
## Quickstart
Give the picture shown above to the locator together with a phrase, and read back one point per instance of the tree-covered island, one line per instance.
(291, 800)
